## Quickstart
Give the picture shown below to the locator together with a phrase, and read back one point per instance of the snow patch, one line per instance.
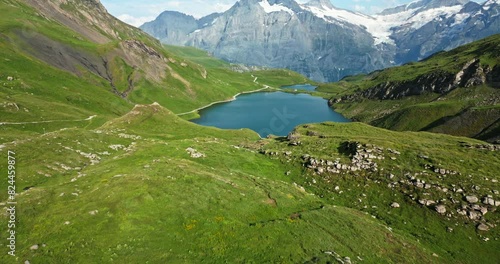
(488, 4)
(373, 26)
(460, 18)
(268, 8)
(380, 26)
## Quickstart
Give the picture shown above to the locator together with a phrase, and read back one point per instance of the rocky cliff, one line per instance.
(471, 74)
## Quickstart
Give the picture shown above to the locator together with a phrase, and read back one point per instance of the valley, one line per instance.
(110, 169)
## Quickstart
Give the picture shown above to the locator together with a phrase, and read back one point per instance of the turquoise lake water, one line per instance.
(266, 113)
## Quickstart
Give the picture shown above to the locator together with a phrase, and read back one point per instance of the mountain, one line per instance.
(455, 92)
(327, 43)
(106, 170)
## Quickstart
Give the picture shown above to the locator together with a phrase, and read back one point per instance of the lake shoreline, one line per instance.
(266, 87)
(268, 113)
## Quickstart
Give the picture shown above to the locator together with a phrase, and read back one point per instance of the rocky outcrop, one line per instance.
(363, 158)
(471, 74)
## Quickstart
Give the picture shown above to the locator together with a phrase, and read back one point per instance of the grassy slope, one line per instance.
(370, 192)
(44, 93)
(422, 112)
(155, 202)
(129, 191)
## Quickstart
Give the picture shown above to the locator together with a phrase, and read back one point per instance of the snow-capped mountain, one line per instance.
(327, 43)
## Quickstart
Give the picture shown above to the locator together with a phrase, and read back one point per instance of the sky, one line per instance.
(137, 12)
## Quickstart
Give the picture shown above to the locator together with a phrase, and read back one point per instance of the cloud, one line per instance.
(135, 21)
(359, 8)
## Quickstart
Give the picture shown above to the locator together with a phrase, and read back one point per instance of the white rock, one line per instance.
(471, 199)
(483, 227)
(441, 209)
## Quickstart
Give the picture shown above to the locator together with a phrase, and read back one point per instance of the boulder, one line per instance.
(488, 201)
(441, 209)
(34, 247)
(483, 227)
(395, 205)
(473, 215)
(471, 199)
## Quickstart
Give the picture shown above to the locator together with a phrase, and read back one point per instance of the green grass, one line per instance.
(369, 191)
(154, 202)
(122, 187)
(428, 111)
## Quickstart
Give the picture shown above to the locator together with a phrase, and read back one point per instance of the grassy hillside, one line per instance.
(54, 63)
(416, 96)
(142, 196)
(104, 175)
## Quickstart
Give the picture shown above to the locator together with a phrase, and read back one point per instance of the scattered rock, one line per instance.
(94, 212)
(441, 209)
(488, 201)
(34, 247)
(483, 227)
(194, 153)
(483, 210)
(473, 215)
(426, 202)
(471, 199)
(395, 205)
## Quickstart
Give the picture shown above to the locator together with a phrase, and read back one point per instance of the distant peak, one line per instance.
(437, 3)
(323, 4)
(422, 5)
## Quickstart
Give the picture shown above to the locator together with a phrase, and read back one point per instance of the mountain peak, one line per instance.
(423, 5)
(323, 4)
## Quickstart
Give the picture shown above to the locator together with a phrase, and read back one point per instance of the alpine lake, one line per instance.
(276, 113)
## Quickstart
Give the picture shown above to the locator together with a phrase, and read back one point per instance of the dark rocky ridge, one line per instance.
(441, 82)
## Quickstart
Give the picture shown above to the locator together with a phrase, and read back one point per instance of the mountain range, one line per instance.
(326, 43)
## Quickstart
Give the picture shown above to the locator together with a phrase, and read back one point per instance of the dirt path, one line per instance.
(48, 121)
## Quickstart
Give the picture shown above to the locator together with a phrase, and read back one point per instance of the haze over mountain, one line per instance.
(327, 43)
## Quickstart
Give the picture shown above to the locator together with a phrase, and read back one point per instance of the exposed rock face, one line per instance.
(326, 43)
(90, 20)
(441, 82)
(171, 27)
